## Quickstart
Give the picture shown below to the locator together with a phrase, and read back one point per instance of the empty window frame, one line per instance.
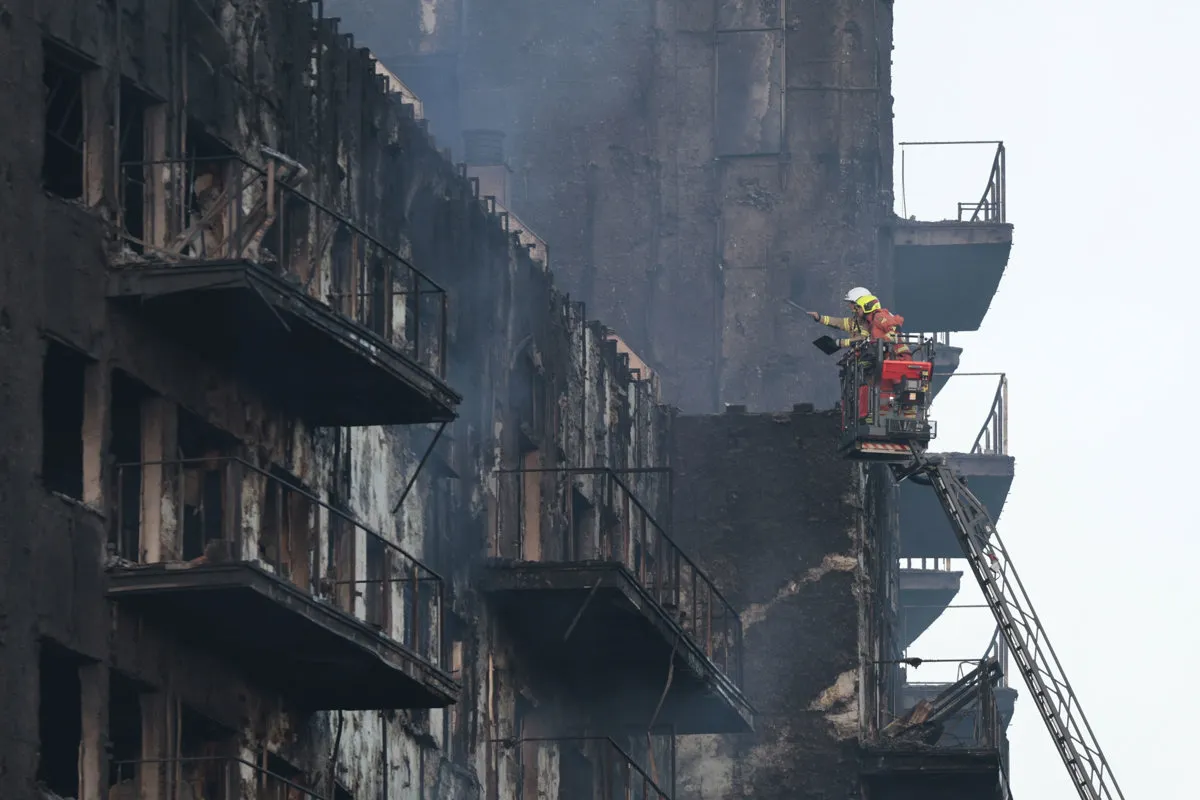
(60, 720)
(63, 373)
(63, 163)
(135, 136)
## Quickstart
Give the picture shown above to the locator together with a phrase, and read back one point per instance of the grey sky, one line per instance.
(1097, 104)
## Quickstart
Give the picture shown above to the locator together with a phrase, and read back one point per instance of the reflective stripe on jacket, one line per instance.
(881, 324)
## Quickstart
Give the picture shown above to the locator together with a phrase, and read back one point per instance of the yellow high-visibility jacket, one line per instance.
(882, 324)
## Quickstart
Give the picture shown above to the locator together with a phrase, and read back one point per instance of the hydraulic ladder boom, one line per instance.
(1021, 628)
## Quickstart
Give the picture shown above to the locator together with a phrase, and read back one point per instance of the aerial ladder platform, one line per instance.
(885, 418)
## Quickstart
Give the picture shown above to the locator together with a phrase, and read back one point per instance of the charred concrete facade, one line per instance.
(806, 545)
(782, 522)
(693, 164)
(299, 441)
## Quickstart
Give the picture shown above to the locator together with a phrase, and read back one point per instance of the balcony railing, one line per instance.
(993, 436)
(959, 715)
(614, 774)
(612, 525)
(202, 778)
(224, 508)
(924, 345)
(226, 209)
(992, 206)
(938, 564)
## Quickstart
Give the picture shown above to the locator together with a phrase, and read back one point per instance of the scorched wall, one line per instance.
(694, 164)
(86, 682)
(789, 531)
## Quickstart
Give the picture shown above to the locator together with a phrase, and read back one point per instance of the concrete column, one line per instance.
(100, 87)
(155, 201)
(159, 499)
(93, 745)
(95, 433)
(160, 730)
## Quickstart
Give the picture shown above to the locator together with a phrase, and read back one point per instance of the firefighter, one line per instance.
(870, 321)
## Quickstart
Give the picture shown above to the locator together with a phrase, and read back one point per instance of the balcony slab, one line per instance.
(924, 530)
(924, 595)
(309, 651)
(602, 635)
(928, 773)
(946, 273)
(304, 355)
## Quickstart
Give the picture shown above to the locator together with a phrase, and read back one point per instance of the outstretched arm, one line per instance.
(847, 324)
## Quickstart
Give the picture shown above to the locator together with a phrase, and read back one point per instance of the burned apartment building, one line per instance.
(695, 166)
(313, 485)
(316, 484)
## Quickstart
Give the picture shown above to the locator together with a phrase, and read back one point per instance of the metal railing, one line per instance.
(202, 778)
(226, 209)
(616, 527)
(924, 345)
(959, 715)
(213, 509)
(614, 774)
(975, 725)
(992, 206)
(993, 436)
(939, 564)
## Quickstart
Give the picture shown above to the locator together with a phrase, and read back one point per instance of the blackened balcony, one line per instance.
(235, 261)
(586, 577)
(988, 469)
(246, 563)
(947, 272)
(210, 778)
(947, 744)
(595, 768)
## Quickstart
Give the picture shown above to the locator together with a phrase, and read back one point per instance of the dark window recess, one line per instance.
(204, 748)
(526, 751)
(379, 587)
(577, 540)
(62, 420)
(124, 728)
(341, 290)
(577, 772)
(125, 450)
(60, 720)
(283, 779)
(203, 447)
(133, 152)
(62, 159)
(285, 540)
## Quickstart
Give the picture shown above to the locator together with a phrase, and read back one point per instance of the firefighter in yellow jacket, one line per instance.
(869, 322)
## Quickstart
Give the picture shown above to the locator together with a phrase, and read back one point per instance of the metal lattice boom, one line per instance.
(1021, 628)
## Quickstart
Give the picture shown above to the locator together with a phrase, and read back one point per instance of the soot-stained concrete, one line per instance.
(771, 510)
(90, 685)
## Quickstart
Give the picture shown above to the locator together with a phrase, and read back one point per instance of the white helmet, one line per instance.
(856, 294)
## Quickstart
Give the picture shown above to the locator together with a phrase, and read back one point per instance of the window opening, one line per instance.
(60, 720)
(134, 104)
(62, 92)
(62, 419)
(202, 447)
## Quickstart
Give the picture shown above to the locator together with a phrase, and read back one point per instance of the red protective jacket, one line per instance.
(880, 324)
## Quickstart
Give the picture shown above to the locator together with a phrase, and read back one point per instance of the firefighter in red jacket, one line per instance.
(870, 322)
